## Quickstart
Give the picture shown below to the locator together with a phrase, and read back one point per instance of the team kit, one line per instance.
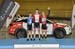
(37, 18)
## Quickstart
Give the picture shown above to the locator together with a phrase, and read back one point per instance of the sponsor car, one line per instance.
(58, 30)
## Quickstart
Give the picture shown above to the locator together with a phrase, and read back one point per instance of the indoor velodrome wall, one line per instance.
(58, 7)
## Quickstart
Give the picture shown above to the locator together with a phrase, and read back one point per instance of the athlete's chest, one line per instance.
(37, 16)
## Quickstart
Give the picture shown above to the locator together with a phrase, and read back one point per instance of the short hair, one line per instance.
(30, 12)
(36, 9)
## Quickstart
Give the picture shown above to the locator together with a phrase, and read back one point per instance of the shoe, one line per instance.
(39, 39)
(27, 39)
(34, 39)
(31, 39)
(45, 37)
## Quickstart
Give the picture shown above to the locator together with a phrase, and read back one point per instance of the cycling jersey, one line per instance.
(36, 18)
(29, 20)
(43, 19)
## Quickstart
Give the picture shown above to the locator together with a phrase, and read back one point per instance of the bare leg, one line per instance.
(39, 33)
(30, 34)
(42, 33)
(45, 33)
(34, 34)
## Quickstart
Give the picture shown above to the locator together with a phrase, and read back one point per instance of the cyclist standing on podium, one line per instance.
(29, 26)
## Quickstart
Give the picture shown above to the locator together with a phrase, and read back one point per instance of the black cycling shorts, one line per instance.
(44, 26)
(36, 25)
(29, 27)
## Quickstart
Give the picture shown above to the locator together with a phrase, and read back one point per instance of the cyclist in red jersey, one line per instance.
(44, 25)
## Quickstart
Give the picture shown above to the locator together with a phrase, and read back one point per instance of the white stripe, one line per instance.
(13, 12)
(15, 9)
(36, 46)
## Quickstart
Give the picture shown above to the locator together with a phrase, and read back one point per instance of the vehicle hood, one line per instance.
(62, 24)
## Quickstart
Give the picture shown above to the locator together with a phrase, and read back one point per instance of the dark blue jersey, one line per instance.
(29, 20)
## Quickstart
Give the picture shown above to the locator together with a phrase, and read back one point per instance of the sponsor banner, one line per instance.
(5, 10)
(43, 43)
(36, 46)
(12, 14)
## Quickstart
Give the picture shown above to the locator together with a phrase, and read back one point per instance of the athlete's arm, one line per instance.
(33, 18)
(41, 18)
(48, 12)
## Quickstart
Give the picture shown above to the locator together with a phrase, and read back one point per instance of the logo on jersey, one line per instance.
(37, 18)
(29, 20)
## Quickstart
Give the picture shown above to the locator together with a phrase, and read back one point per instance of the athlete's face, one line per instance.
(43, 13)
(37, 11)
(30, 14)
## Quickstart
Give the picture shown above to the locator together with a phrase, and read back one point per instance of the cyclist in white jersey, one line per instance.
(36, 18)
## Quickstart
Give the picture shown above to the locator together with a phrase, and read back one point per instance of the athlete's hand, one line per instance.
(48, 8)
